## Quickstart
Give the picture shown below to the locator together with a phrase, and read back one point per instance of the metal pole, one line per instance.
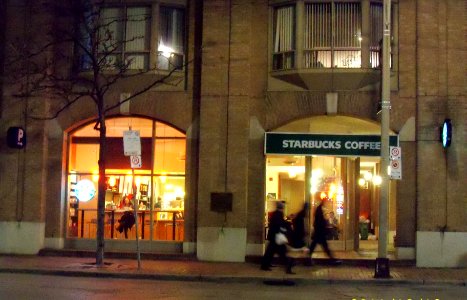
(382, 262)
(135, 207)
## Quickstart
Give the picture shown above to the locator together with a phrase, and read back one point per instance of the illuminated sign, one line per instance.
(85, 190)
(446, 133)
(320, 144)
(16, 137)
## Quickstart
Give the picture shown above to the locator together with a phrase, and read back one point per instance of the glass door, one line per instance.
(328, 184)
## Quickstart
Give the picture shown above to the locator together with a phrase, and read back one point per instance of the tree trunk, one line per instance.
(101, 188)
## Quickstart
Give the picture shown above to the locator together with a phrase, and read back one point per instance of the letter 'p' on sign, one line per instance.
(16, 137)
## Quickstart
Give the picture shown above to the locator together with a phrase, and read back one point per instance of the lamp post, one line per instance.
(382, 262)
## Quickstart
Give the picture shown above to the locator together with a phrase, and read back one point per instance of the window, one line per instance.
(171, 38)
(331, 36)
(284, 38)
(120, 38)
(158, 187)
(376, 34)
(124, 37)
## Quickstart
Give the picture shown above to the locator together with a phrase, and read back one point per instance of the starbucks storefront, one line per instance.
(307, 165)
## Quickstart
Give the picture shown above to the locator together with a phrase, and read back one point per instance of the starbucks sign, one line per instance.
(319, 144)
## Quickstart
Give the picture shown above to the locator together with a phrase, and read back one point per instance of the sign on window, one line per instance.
(131, 143)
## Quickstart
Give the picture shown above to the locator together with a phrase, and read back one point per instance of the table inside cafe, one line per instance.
(167, 224)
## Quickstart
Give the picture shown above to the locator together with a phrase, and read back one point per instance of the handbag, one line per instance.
(281, 239)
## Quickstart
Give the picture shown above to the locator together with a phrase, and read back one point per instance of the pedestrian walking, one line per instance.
(319, 233)
(298, 226)
(277, 226)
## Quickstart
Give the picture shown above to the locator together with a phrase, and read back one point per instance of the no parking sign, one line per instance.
(396, 169)
(395, 152)
(136, 161)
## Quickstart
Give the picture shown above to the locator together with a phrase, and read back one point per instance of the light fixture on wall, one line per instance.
(446, 133)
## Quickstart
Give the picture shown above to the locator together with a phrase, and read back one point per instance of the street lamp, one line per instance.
(382, 262)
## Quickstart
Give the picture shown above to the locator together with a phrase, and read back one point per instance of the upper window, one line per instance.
(171, 38)
(332, 35)
(284, 38)
(124, 36)
(120, 38)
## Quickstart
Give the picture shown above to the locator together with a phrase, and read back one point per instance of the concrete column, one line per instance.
(224, 130)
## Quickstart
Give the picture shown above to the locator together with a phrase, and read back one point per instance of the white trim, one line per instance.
(21, 237)
(221, 244)
(189, 247)
(438, 249)
(405, 252)
(255, 249)
(54, 243)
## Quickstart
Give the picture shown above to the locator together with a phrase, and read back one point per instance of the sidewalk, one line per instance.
(193, 270)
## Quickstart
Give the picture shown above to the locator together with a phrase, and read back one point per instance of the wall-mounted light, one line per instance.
(446, 133)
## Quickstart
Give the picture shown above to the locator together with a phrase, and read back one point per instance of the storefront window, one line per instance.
(326, 184)
(286, 183)
(157, 188)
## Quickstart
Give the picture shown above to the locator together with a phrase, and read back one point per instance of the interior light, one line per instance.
(367, 176)
(179, 192)
(317, 173)
(332, 190)
(377, 180)
(137, 180)
(163, 177)
(112, 181)
(361, 182)
(164, 50)
(292, 173)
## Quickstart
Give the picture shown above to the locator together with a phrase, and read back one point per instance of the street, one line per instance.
(28, 286)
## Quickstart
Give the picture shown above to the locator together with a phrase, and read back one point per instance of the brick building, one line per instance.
(248, 78)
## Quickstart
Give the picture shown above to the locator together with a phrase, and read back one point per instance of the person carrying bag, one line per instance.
(277, 240)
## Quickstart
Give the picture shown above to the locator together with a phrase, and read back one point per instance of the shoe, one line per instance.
(266, 269)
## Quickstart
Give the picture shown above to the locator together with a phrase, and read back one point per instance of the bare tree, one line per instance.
(79, 57)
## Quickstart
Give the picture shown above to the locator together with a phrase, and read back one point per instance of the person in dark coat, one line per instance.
(126, 222)
(319, 233)
(298, 226)
(277, 224)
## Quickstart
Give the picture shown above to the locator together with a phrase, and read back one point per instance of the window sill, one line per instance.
(325, 79)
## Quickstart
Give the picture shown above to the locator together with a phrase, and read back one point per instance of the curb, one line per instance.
(277, 280)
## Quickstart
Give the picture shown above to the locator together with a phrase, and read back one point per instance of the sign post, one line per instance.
(396, 163)
(132, 148)
(382, 261)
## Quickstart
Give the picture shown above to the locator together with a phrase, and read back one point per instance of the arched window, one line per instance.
(159, 183)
